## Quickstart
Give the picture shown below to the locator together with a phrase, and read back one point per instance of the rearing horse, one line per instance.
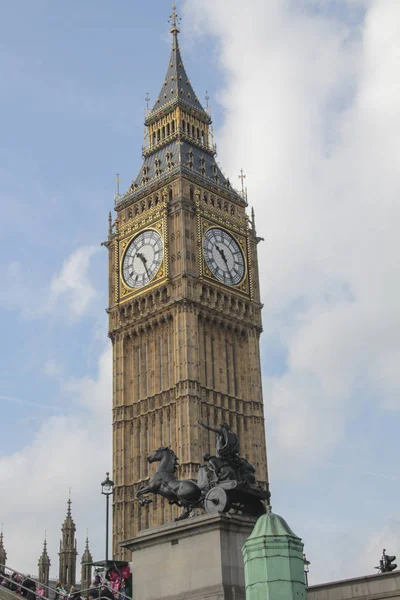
(180, 492)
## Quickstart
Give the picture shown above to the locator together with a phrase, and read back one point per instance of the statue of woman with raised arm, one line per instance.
(227, 446)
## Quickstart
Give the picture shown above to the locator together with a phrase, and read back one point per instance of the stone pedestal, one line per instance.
(196, 559)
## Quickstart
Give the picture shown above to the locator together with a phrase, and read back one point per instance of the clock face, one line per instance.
(142, 259)
(223, 256)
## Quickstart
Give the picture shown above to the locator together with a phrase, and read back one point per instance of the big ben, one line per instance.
(184, 307)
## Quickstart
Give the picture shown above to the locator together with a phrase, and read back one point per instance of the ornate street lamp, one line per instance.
(107, 490)
(306, 568)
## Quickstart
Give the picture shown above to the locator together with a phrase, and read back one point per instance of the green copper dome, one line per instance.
(273, 561)
(271, 524)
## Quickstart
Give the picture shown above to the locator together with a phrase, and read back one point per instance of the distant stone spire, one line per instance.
(44, 565)
(3, 553)
(68, 552)
(86, 567)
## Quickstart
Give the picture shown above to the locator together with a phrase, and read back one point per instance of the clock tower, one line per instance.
(184, 307)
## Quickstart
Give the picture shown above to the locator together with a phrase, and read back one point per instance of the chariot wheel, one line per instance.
(216, 501)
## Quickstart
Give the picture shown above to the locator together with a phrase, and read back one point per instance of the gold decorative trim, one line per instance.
(203, 225)
(124, 291)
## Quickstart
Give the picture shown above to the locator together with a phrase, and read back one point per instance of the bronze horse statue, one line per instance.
(181, 492)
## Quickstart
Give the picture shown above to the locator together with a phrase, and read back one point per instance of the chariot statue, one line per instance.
(225, 481)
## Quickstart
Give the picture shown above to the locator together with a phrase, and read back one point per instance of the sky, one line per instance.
(305, 97)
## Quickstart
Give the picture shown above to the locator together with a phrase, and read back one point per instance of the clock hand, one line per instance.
(222, 253)
(144, 261)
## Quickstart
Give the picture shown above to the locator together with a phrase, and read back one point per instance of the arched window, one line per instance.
(168, 129)
(183, 126)
(163, 132)
(170, 194)
(202, 137)
(191, 194)
(188, 128)
(173, 126)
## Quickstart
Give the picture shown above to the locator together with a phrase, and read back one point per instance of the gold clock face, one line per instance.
(223, 256)
(142, 259)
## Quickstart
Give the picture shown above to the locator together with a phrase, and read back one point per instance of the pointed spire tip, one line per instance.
(174, 19)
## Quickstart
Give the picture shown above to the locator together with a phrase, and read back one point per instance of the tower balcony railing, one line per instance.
(16, 588)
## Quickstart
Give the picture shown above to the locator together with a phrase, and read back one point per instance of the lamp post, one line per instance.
(107, 490)
(306, 568)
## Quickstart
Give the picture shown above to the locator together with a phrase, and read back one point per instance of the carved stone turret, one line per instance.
(86, 568)
(3, 553)
(68, 552)
(44, 566)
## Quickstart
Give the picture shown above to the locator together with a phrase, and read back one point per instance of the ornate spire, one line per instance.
(3, 553)
(86, 566)
(68, 551)
(179, 137)
(86, 556)
(69, 522)
(44, 558)
(174, 19)
(44, 564)
(177, 88)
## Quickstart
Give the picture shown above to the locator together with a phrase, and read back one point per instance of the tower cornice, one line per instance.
(137, 193)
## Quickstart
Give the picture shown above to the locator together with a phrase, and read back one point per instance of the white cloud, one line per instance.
(66, 452)
(72, 284)
(310, 108)
(313, 108)
(69, 293)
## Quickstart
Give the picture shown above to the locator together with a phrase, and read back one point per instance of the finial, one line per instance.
(242, 176)
(208, 107)
(117, 181)
(174, 19)
(147, 100)
(269, 509)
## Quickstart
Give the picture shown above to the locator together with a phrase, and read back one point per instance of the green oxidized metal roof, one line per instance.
(272, 525)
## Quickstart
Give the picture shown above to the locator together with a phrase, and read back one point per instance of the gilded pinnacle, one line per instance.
(174, 19)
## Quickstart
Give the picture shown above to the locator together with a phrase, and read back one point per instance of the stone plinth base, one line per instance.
(196, 559)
